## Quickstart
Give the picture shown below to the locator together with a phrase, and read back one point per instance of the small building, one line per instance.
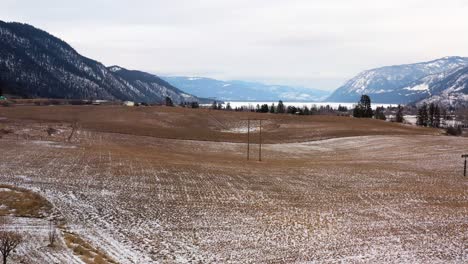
(99, 102)
(129, 103)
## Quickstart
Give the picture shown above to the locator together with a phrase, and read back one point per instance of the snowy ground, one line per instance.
(34, 248)
(374, 199)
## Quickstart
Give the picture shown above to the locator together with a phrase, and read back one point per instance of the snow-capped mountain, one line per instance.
(153, 86)
(244, 91)
(34, 63)
(398, 84)
(451, 90)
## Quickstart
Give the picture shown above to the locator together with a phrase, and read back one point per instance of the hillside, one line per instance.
(34, 64)
(398, 84)
(209, 125)
(245, 91)
(451, 90)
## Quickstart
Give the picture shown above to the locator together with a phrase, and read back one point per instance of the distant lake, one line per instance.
(334, 105)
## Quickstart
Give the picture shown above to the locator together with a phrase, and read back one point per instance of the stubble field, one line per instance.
(162, 185)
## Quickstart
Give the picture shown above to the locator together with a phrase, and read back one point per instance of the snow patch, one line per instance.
(52, 144)
(420, 87)
(115, 69)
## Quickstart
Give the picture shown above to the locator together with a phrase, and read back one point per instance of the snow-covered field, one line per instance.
(373, 199)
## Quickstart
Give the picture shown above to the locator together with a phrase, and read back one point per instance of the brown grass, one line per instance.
(207, 125)
(23, 203)
(85, 251)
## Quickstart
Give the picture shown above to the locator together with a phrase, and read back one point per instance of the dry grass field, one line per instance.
(205, 124)
(171, 185)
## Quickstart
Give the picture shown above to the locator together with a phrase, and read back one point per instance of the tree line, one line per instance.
(429, 116)
(281, 108)
(364, 110)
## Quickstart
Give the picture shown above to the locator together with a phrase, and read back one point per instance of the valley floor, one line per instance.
(362, 199)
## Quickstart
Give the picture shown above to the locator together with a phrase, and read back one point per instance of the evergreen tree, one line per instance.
(431, 114)
(306, 110)
(264, 108)
(419, 118)
(357, 111)
(399, 114)
(367, 110)
(444, 114)
(220, 106)
(422, 117)
(291, 109)
(314, 110)
(280, 109)
(214, 106)
(342, 108)
(363, 108)
(272, 108)
(228, 107)
(169, 101)
(379, 113)
(436, 117)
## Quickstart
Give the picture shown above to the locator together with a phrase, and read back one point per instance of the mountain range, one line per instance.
(245, 91)
(433, 80)
(34, 63)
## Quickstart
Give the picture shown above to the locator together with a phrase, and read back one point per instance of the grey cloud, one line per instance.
(311, 43)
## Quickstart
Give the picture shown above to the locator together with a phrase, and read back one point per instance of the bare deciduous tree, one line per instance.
(8, 242)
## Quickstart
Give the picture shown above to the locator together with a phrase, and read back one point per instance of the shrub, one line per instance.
(52, 131)
(5, 104)
(453, 131)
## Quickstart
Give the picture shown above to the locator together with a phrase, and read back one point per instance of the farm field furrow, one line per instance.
(145, 200)
(146, 192)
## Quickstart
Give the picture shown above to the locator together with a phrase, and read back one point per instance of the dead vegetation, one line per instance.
(9, 241)
(205, 124)
(85, 251)
(22, 203)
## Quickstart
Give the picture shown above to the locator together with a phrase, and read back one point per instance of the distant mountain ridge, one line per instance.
(244, 91)
(33, 63)
(450, 90)
(401, 83)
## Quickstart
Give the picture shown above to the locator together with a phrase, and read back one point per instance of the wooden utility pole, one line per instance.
(260, 150)
(464, 169)
(248, 139)
(260, 138)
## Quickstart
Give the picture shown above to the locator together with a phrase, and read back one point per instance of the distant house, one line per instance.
(99, 102)
(129, 103)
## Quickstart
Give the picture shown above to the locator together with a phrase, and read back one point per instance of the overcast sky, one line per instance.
(313, 43)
